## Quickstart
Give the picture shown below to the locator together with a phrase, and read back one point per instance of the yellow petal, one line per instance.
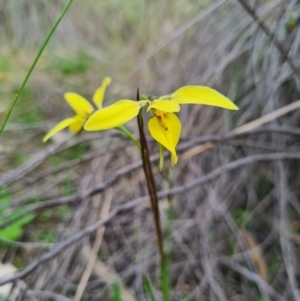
(115, 115)
(79, 104)
(164, 105)
(60, 126)
(77, 124)
(99, 93)
(202, 95)
(165, 128)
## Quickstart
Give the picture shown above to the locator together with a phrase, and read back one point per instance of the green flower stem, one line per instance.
(170, 215)
(52, 30)
(122, 129)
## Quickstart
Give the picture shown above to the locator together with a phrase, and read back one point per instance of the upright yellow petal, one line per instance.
(164, 105)
(202, 95)
(60, 126)
(79, 104)
(114, 115)
(99, 93)
(77, 125)
(165, 128)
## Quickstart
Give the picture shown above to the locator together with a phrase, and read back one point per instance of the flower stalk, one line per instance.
(129, 135)
(150, 184)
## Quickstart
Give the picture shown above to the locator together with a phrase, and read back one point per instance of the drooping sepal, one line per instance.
(165, 128)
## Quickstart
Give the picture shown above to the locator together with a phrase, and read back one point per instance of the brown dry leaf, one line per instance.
(196, 150)
(255, 253)
(267, 118)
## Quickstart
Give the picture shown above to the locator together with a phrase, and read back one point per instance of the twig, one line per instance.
(109, 276)
(45, 295)
(94, 251)
(252, 125)
(285, 242)
(76, 198)
(35, 161)
(39, 158)
(151, 184)
(267, 118)
(25, 245)
(271, 35)
(173, 37)
(129, 205)
(251, 276)
(43, 155)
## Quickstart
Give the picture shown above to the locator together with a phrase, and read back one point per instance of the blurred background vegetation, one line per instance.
(235, 237)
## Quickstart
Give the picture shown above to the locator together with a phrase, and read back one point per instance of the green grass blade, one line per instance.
(165, 281)
(52, 30)
(116, 292)
(148, 288)
(123, 129)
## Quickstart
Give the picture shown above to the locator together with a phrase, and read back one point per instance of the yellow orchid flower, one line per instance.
(164, 126)
(83, 109)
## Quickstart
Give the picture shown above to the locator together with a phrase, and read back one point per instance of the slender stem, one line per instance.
(170, 215)
(151, 187)
(63, 12)
(122, 129)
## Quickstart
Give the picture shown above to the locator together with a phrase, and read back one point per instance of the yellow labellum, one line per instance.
(201, 95)
(165, 128)
(114, 115)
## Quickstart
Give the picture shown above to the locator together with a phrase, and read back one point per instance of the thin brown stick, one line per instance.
(44, 295)
(251, 276)
(94, 251)
(151, 184)
(77, 198)
(132, 204)
(39, 158)
(252, 12)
